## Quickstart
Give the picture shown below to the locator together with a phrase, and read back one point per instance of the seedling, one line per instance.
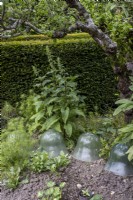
(53, 192)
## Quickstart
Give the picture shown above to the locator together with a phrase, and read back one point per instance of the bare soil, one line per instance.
(89, 175)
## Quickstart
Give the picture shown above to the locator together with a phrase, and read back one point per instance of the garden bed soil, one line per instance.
(89, 175)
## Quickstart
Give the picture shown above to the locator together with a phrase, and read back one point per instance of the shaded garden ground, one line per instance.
(89, 175)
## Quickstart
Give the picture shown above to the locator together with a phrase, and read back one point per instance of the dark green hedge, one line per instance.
(80, 56)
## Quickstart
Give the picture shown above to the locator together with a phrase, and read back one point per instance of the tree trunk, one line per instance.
(124, 82)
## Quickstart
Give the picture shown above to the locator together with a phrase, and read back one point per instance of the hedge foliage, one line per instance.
(80, 56)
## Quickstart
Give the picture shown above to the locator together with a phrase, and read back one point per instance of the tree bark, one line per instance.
(123, 73)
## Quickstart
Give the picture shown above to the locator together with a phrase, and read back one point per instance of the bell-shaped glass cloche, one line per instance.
(52, 142)
(118, 162)
(87, 148)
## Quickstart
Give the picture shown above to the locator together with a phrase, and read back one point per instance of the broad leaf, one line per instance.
(123, 101)
(57, 127)
(37, 116)
(65, 114)
(49, 122)
(77, 112)
(130, 153)
(49, 110)
(128, 128)
(68, 128)
(38, 104)
(121, 108)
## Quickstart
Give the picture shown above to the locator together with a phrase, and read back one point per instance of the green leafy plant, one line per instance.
(60, 161)
(59, 105)
(127, 131)
(91, 196)
(97, 197)
(12, 177)
(85, 193)
(53, 192)
(109, 134)
(106, 127)
(16, 147)
(40, 161)
(26, 109)
(8, 111)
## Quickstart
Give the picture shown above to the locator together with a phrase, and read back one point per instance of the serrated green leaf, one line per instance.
(38, 104)
(123, 101)
(57, 127)
(128, 128)
(62, 184)
(50, 100)
(96, 197)
(78, 112)
(49, 122)
(49, 191)
(65, 114)
(51, 184)
(49, 110)
(131, 87)
(68, 128)
(130, 153)
(40, 194)
(118, 110)
(37, 116)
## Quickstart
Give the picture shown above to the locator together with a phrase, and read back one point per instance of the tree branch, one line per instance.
(62, 33)
(98, 35)
(15, 24)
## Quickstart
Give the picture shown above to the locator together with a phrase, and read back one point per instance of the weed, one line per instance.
(52, 192)
(42, 162)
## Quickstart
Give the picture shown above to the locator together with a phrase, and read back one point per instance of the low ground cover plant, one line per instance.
(16, 147)
(89, 195)
(53, 191)
(107, 128)
(41, 161)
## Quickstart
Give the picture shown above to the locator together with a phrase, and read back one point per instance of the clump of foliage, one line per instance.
(90, 195)
(58, 105)
(52, 192)
(26, 107)
(106, 127)
(8, 111)
(127, 131)
(41, 161)
(16, 147)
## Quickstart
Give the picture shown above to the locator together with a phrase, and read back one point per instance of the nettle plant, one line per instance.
(59, 105)
(127, 131)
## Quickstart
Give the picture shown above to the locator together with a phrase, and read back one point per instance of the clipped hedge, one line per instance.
(46, 37)
(80, 55)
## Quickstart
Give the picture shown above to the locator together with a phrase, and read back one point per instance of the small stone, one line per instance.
(112, 193)
(79, 186)
(124, 180)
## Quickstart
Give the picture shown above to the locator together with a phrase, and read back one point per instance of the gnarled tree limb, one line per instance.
(98, 35)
